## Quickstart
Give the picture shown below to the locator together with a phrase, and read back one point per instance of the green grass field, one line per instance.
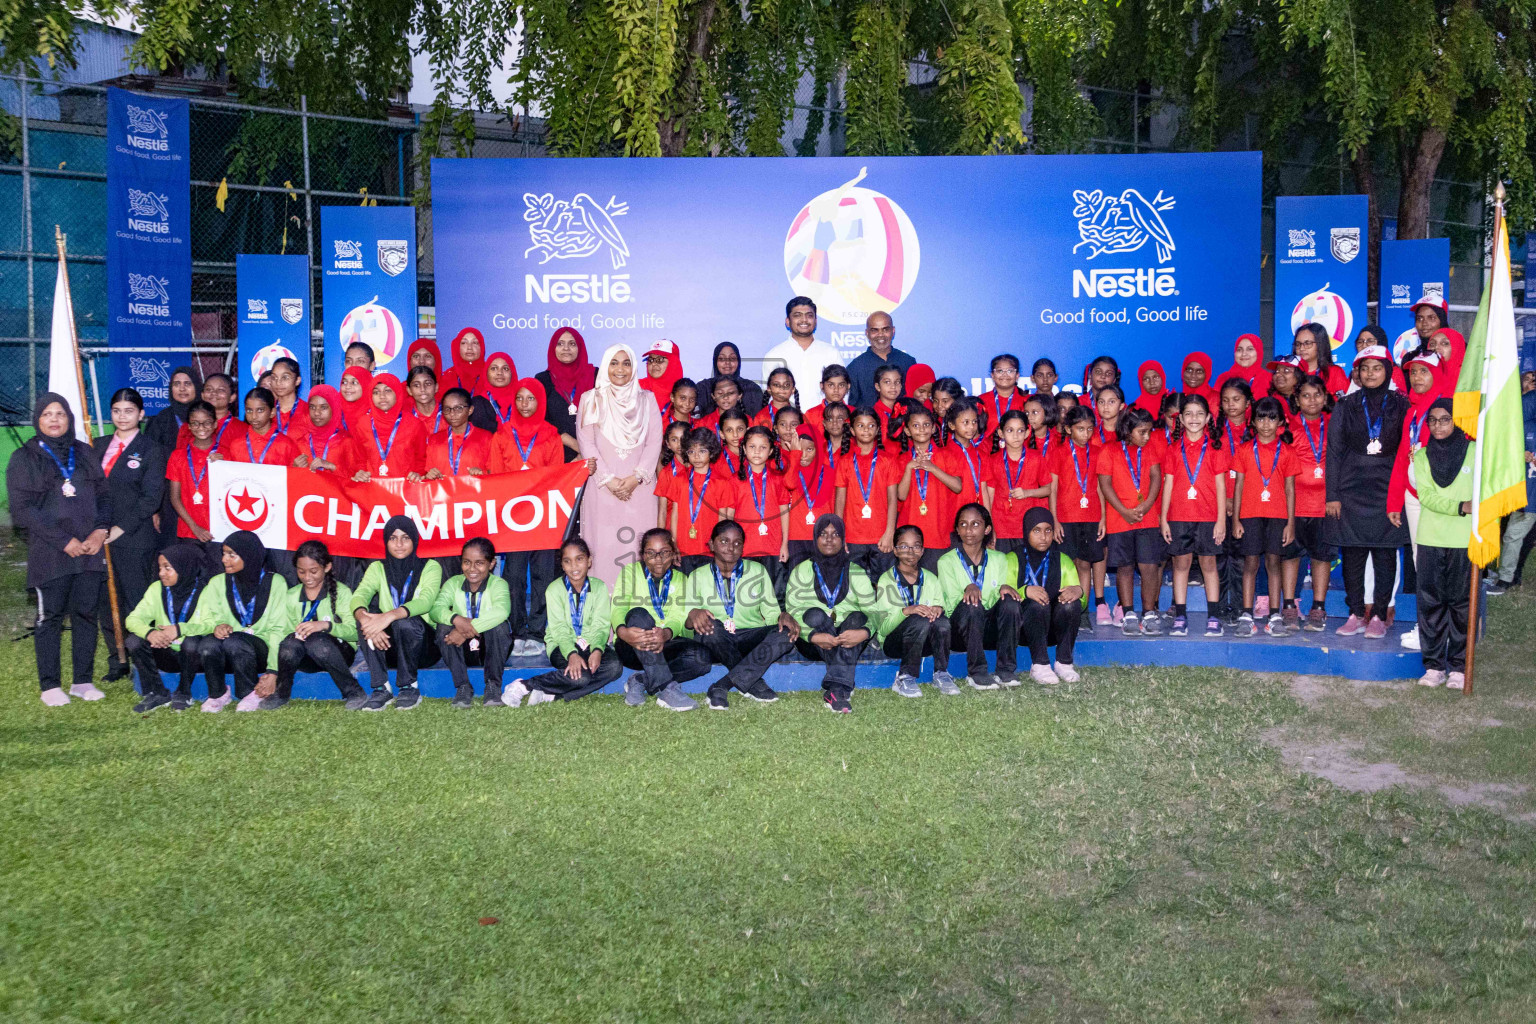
(1132, 848)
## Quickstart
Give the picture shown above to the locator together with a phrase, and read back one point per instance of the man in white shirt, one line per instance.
(801, 352)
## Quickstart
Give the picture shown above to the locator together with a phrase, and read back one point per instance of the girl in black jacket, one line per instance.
(59, 497)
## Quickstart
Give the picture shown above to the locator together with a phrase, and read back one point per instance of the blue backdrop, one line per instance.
(1062, 256)
(149, 250)
(272, 297)
(1320, 269)
(368, 283)
(1409, 270)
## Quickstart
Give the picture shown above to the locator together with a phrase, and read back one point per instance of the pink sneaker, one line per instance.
(1352, 625)
(1103, 616)
(87, 691)
(213, 705)
(1260, 608)
(1119, 615)
(1375, 629)
(250, 702)
(55, 698)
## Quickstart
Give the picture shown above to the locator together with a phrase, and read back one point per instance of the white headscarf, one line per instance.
(617, 411)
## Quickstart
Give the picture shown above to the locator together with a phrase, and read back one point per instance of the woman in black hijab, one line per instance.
(154, 627)
(239, 624)
(390, 605)
(1363, 436)
(164, 428)
(831, 597)
(1053, 600)
(59, 496)
(727, 363)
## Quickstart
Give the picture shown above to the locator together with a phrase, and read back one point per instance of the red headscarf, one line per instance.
(536, 425)
(333, 427)
(661, 386)
(1151, 402)
(430, 347)
(352, 412)
(1451, 368)
(1205, 390)
(574, 379)
(464, 373)
(1440, 386)
(504, 398)
(918, 375)
(387, 417)
(1256, 376)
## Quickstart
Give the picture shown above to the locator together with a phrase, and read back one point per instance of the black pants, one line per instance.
(746, 653)
(840, 661)
(1445, 583)
(349, 570)
(132, 570)
(978, 629)
(528, 574)
(411, 647)
(688, 563)
(873, 560)
(241, 655)
(151, 661)
(1385, 563)
(777, 572)
(495, 645)
(917, 638)
(1045, 626)
(558, 684)
(319, 652)
(75, 595)
(281, 563)
(678, 661)
(1229, 571)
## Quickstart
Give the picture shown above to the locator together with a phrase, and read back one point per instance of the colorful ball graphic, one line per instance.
(262, 361)
(853, 251)
(375, 326)
(1326, 308)
(1405, 343)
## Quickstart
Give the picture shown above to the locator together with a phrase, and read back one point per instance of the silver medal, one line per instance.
(762, 529)
(1317, 472)
(1374, 448)
(1192, 494)
(474, 644)
(383, 469)
(1083, 501)
(730, 625)
(197, 498)
(866, 511)
(1264, 494)
(810, 519)
(571, 409)
(68, 489)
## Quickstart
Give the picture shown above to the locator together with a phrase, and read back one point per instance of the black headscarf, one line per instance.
(179, 409)
(398, 570)
(1448, 456)
(187, 560)
(249, 579)
(751, 394)
(1030, 559)
(834, 568)
(58, 445)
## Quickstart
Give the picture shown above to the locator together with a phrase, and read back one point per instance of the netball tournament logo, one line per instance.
(853, 251)
(263, 360)
(375, 326)
(1328, 309)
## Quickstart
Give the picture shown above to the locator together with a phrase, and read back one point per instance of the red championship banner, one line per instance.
(523, 511)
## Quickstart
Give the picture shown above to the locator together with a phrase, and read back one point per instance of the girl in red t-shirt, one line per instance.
(1012, 481)
(866, 495)
(781, 395)
(835, 385)
(460, 448)
(527, 440)
(1130, 483)
(1194, 509)
(890, 408)
(262, 443)
(393, 444)
(925, 490)
(964, 456)
(1109, 405)
(1044, 418)
(812, 488)
(188, 473)
(1314, 404)
(1266, 502)
(1076, 506)
(709, 493)
(786, 435)
(671, 471)
(764, 514)
(683, 403)
(732, 426)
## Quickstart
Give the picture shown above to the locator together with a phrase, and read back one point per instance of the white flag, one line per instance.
(63, 374)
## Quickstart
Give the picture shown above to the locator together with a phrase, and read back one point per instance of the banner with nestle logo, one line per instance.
(149, 249)
(368, 284)
(1067, 256)
(524, 511)
(1320, 269)
(1411, 269)
(272, 303)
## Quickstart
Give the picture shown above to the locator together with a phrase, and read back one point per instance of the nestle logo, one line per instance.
(576, 288)
(156, 145)
(152, 227)
(148, 309)
(1101, 283)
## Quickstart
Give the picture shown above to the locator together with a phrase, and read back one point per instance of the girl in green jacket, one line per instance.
(403, 588)
(832, 599)
(322, 634)
(909, 617)
(1052, 605)
(580, 613)
(983, 606)
(1442, 471)
(471, 614)
(155, 642)
(238, 625)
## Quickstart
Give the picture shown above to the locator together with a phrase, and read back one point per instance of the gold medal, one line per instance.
(693, 531)
(922, 509)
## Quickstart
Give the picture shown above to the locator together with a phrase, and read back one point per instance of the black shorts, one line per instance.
(1136, 547)
(1262, 536)
(1193, 539)
(1312, 539)
(1081, 542)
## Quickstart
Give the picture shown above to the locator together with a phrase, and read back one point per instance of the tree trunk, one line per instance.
(1365, 181)
(674, 129)
(1418, 160)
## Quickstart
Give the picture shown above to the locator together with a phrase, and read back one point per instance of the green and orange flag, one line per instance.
(1487, 404)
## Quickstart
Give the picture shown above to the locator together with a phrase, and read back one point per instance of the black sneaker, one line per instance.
(717, 701)
(115, 675)
(762, 693)
(272, 703)
(492, 699)
(180, 702)
(377, 700)
(463, 699)
(357, 701)
(837, 700)
(152, 702)
(407, 698)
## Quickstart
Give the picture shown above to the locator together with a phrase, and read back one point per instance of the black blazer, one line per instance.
(51, 518)
(136, 486)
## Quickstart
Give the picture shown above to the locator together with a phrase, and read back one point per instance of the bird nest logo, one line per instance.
(1110, 225)
(568, 230)
(853, 251)
(246, 504)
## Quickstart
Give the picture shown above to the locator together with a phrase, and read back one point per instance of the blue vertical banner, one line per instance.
(271, 293)
(1320, 268)
(368, 284)
(1411, 270)
(149, 241)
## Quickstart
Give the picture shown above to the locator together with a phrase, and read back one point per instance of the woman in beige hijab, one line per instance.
(618, 425)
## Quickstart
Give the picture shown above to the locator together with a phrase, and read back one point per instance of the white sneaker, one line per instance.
(55, 697)
(512, 696)
(1410, 639)
(1067, 674)
(1042, 674)
(1432, 677)
(86, 691)
(1456, 681)
(250, 702)
(213, 705)
(539, 697)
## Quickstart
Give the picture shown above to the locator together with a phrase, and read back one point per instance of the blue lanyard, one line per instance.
(1263, 477)
(526, 454)
(825, 593)
(311, 609)
(171, 615)
(696, 504)
(921, 477)
(975, 467)
(386, 449)
(454, 460)
(1037, 579)
(1008, 473)
(262, 460)
(730, 462)
(1372, 427)
(472, 602)
(761, 504)
(1231, 443)
(398, 596)
(324, 451)
(728, 592)
(659, 597)
(496, 408)
(1082, 474)
(1135, 470)
(70, 471)
(1045, 447)
(197, 481)
(1415, 424)
(277, 414)
(578, 603)
(244, 611)
(910, 594)
(811, 496)
(999, 408)
(218, 435)
(1316, 445)
(977, 573)
(864, 489)
(1193, 474)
